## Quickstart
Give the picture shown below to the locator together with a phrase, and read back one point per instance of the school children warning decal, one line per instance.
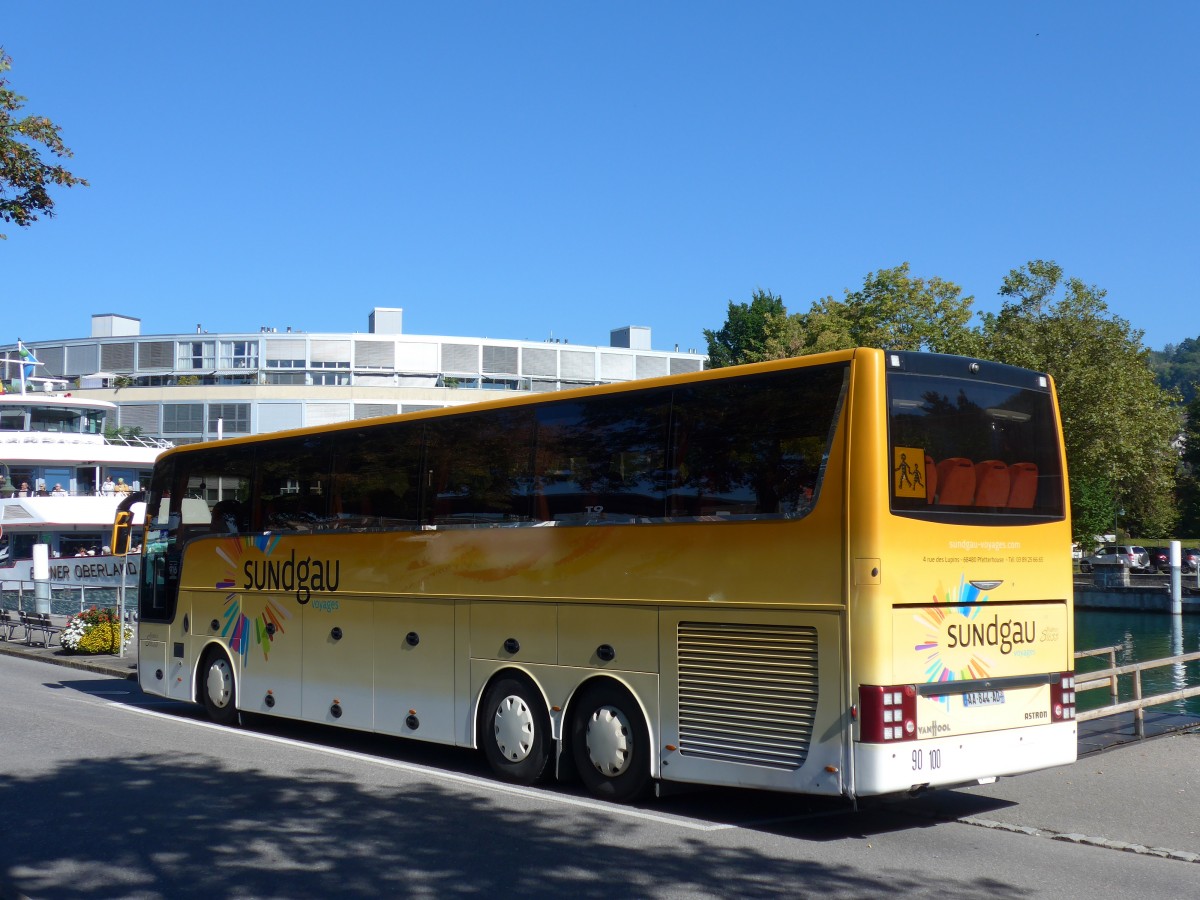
(908, 472)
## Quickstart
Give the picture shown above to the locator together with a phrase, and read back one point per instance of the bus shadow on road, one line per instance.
(201, 822)
(795, 816)
(826, 818)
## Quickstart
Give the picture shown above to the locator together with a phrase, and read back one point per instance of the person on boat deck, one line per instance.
(108, 487)
(24, 491)
(6, 489)
(122, 487)
(58, 491)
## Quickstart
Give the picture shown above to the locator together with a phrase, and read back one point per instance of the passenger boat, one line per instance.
(64, 472)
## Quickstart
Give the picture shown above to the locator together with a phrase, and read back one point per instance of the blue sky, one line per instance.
(528, 170)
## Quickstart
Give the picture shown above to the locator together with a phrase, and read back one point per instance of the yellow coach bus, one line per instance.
(843, 574)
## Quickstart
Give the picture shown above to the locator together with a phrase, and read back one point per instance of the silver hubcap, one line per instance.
(219, 683)
(608, 741)
(514, 728)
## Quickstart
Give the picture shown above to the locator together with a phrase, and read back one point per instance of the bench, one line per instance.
(9, 622)
(39, 623)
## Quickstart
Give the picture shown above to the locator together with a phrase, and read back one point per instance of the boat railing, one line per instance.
(65, 437)
(139, 440)
(86, 595)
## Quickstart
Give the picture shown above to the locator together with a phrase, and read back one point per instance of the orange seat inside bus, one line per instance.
(991, 483)
(1024, 482)
(956, 482)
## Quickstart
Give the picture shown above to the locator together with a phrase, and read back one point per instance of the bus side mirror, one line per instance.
(122, 530)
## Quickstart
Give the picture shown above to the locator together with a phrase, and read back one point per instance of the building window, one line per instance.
(239, 354)
(335, 378)
(248, 378)
(235, 417)
(197, 355)
(183, 417)
(285, 364)
(330, 365)
(285, 378)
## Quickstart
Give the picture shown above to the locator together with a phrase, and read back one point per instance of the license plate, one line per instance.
(983, 698)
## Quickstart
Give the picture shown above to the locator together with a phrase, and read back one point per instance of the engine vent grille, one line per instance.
(747, 693)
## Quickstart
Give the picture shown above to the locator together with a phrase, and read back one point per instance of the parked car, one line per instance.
(1135, 558)
(1160, 558)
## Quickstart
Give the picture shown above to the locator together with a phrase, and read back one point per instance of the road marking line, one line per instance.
(542, 796)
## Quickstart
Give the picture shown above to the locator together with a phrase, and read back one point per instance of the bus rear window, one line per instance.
(969, 448)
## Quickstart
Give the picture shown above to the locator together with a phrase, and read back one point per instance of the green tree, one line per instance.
(893, 310)
(1178, 367)
(1118, 423)
(25, 178)
(750, 330)
(1189, 478)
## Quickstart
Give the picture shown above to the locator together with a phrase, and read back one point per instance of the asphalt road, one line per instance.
(105, 792)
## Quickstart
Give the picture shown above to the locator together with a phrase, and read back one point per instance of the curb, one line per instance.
(113, 666)
(1107, 843)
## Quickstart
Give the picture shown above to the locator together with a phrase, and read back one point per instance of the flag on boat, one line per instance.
(27, 358)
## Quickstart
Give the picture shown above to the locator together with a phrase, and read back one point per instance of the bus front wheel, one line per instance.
(217, 689)
(610, 743)
(515, 731)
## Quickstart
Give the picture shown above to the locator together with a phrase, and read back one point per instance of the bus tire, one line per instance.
(218, 691)
(515, 731)
(610, 743)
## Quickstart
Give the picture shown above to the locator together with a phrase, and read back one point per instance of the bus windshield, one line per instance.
(963, 447)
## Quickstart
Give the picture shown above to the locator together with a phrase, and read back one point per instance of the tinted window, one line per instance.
(479, 468)
(294, 480)
(970, 447)
(602, 459)
(377, 477)
(753, 447)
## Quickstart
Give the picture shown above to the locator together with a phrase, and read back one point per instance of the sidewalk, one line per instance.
(1141, 797)
(117, 667)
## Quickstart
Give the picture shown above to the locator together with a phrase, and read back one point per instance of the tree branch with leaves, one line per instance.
(25, 177)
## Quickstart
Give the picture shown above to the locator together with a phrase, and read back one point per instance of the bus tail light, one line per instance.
(1062, 697)
(887, 713)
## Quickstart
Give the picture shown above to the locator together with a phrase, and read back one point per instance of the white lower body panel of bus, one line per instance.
(959, 760)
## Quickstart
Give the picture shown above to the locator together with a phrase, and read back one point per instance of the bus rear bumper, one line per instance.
(955, 761)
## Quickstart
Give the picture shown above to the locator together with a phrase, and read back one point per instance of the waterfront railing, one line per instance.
(1108, 677)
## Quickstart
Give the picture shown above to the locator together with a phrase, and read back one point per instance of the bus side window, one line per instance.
(377, 477)
(602, 460)
(480, 468)
(753, 448)
(293, 484)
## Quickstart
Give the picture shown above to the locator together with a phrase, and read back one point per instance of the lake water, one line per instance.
(1140, 637)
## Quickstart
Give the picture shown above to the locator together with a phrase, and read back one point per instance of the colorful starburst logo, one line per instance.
(942, 662)
(237, 627)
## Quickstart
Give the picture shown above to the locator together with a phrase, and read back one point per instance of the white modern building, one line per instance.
(196, 386)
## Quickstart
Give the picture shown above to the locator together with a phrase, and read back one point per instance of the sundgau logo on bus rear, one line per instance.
(958, 642)
(1002, 635)
(303, 575)
(963, 637)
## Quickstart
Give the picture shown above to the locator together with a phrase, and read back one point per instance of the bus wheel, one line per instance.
(217, 689)
(610, 743)
(515, 731)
